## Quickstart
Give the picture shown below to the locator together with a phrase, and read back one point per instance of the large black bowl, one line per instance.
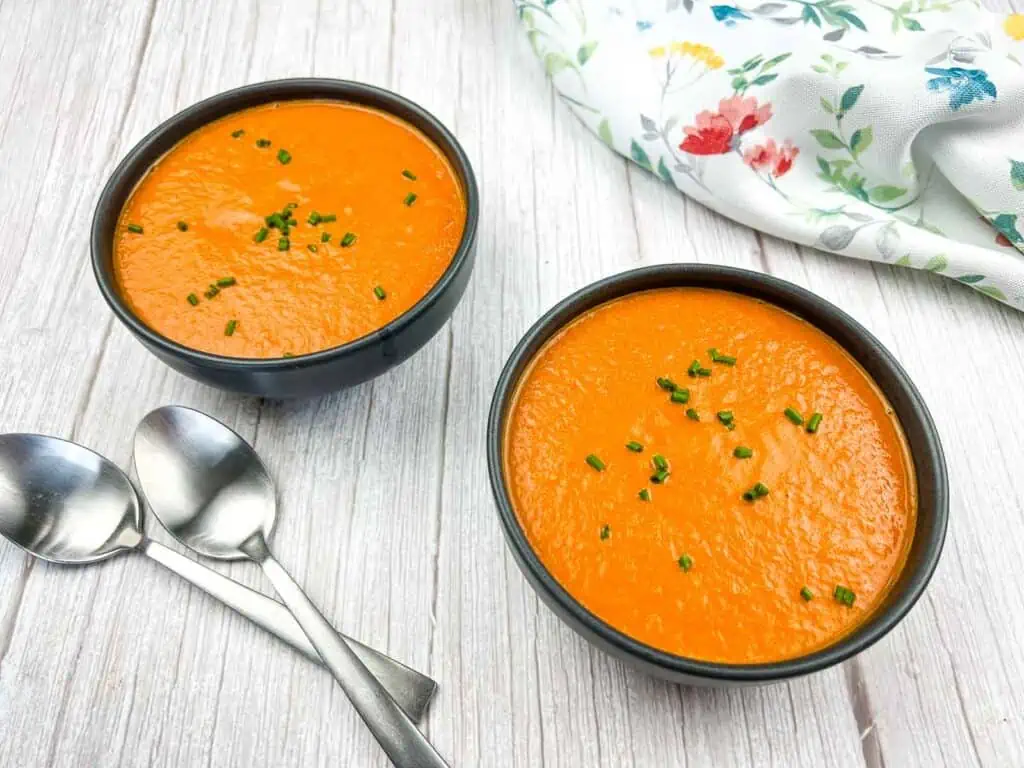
(929, 465)
(320, 372)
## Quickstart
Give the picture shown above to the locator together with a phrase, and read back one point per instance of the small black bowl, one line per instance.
(929, 464)
(320, 372)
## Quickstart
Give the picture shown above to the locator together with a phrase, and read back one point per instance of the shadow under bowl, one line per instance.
(320, 372)
(923, 439)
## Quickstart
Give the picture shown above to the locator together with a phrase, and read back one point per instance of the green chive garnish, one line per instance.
(314, 218)
(748, 495)
(814, 422)
(725, 417)
(692, 370)
(312, 247)
(290, 206)
(794, 415)
(844, 595)
(229, 329)
(275, 221)
(287, 354)
(759, 491)
(379, 293)
(284, 156)
(606, 531)
(595, 462)
(718, 357)
(680, 396)
(806, 594)
(237, 134)
(260, 236)
(348, 240)
(327, 218)
(409, 175)
(325, 237)
(659, 477)
(262, 143)
(685, 562)
(283, 244)
(742, 452)
(634, 446)
(644, 494)
(705, 372)
(667, 384)
(183, 226)
(410, 198)
(193, 299)
(224, 282)
(135, 228)
(660, 462)
(691, 413)
(212, 291)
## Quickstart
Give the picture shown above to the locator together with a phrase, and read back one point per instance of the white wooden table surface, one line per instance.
(386, 515)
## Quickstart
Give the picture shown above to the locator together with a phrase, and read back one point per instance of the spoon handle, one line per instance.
(395, 732)
(411, 690)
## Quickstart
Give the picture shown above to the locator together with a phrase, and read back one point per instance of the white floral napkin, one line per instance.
(884, 130)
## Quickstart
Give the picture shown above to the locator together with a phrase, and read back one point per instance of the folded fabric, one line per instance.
(891, 132)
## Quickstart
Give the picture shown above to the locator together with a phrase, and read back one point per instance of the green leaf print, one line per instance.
(556, 62)
(903, 261)
(663, 170)
(639, 155)
(1017, 174)
(605, 132)
(937, 263)
(585, 52)
(849, 100)
(971, 279)
(991, 290)
(885, 193)
(827, 139)
(861, 139)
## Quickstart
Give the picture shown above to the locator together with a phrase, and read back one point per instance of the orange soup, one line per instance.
(710, 475)
(288, 228)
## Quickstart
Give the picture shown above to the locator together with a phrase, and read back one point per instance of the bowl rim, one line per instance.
(884, 619)
(140, 159)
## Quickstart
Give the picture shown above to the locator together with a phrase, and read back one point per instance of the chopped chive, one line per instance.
(759, 491)
(634, 446)
(284, 156)
(692, 370)
(380, 293)
(660, 462)
(212, 291)
(705, 372)
(814, 422)
(192, 299)
(183, 226)
(283, 244)
(644, 495)
(659, 477)
(606, 531)
(325, 237)
(327, 218)
(742, 452)
(348, 240)
(748, 495)
(262, 143)
(135, 228)
(312, 248)
(224, 282)
(794, 415)
(237, 134)
(286, 230)
(718, 357)
(725, 417)
(260, 236)
(806, 594)
(685, 562)
(275, 221)
(410, 198)
(290, 206)
(667, 384)
(691, 413)
(287, 354)
(409, 175)
(680, 396)
(229, 329)
(844, 595)
(595, 462)
(314, 218)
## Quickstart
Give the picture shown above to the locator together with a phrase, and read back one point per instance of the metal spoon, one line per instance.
(212, 492)
(61, 502)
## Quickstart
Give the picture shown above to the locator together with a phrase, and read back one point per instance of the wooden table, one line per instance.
(386, 513)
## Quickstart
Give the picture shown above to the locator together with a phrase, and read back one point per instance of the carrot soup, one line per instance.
(288, 228)
(710, 475)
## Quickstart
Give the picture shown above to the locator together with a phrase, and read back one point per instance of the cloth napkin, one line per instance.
(883, 130)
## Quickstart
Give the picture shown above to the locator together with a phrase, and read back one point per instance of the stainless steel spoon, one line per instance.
(212, 492)
(61, 502)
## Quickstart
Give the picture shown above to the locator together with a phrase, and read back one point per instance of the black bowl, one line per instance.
(320, 372)
(929, 464)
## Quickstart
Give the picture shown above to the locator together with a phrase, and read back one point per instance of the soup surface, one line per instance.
(769, 534)
(369, 214)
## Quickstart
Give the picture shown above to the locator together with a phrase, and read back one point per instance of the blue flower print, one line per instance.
(728, 14)
(964, 85)
(643, 26)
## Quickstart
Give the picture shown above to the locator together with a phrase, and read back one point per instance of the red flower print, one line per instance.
(714, 132)
(778, 159)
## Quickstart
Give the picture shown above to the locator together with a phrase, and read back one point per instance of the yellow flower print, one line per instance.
(684, 63)
(696, 52)
(1014, 26)
(657, 52)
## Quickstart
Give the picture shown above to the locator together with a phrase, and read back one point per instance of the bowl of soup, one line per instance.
(716, 475)
(288, 238)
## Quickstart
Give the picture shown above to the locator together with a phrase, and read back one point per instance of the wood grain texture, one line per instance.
(386, 515)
